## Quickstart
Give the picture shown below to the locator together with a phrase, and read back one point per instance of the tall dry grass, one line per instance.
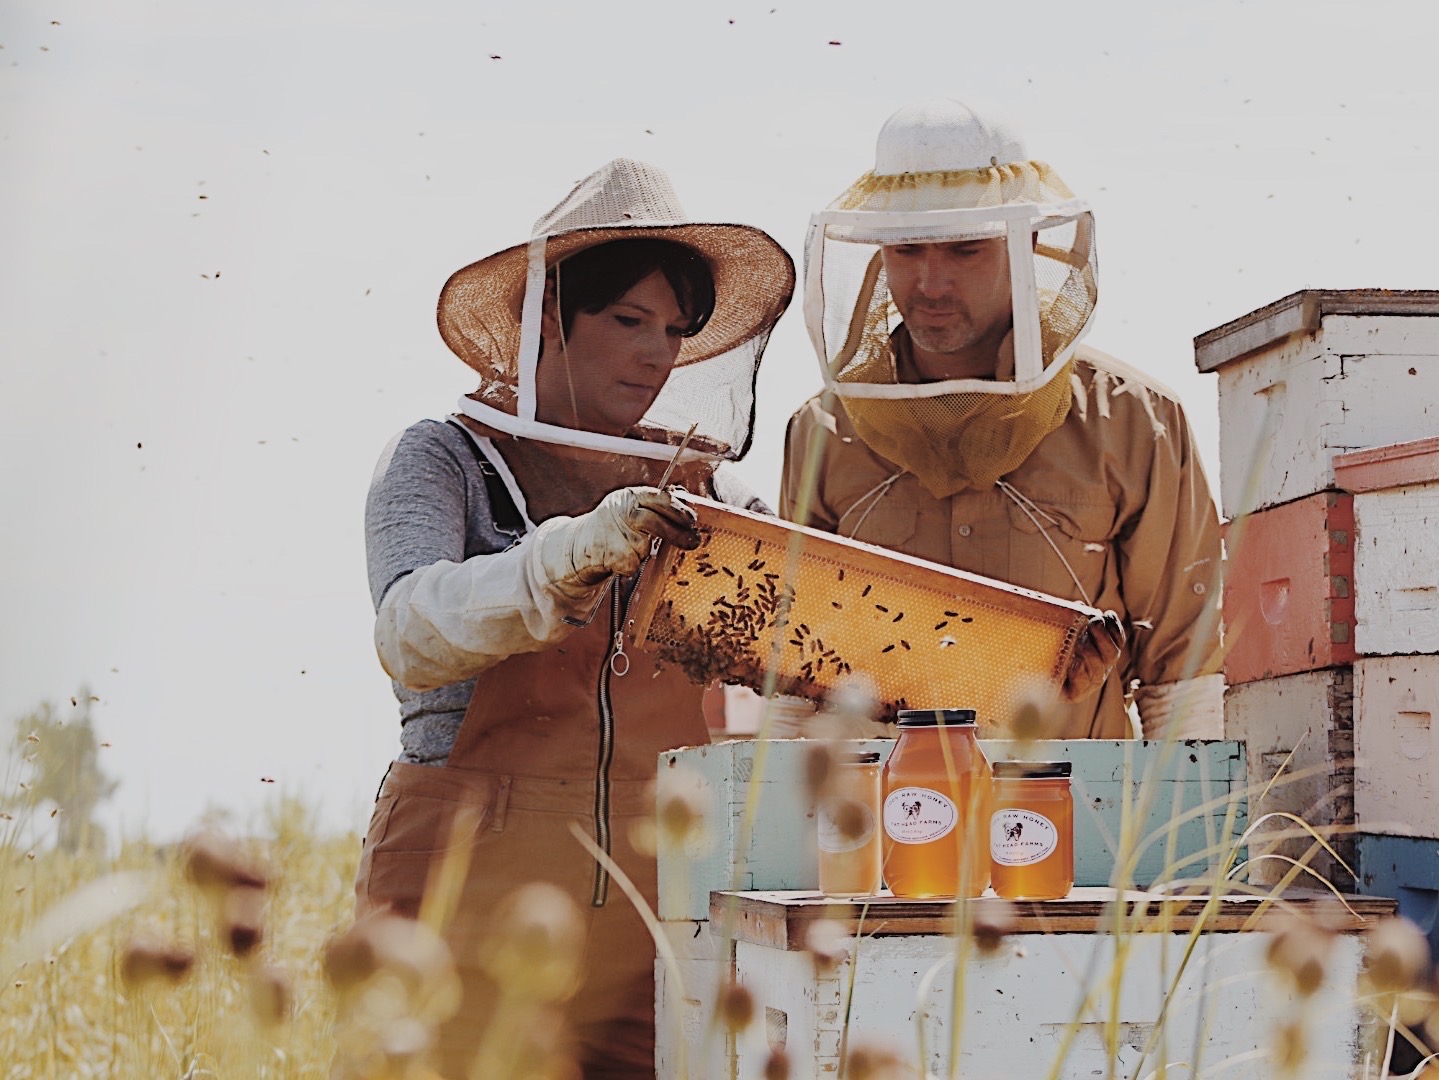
(123, 966)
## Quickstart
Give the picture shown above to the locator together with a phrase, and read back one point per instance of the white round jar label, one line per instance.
(917, 815)
(1021, 837)
(844, 825)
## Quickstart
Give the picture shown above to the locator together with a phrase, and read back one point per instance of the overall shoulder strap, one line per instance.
(504, 514)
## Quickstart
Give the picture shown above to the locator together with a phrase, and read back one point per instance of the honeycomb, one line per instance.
(761, 595)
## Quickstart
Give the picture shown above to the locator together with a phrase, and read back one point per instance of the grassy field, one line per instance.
(68, 1008)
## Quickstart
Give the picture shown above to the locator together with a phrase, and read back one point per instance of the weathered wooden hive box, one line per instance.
(1329, 474)
(1318, 373)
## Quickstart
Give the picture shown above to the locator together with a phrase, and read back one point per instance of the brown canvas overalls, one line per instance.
(549, 738)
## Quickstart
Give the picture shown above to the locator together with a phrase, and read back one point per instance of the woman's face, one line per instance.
(606, 372)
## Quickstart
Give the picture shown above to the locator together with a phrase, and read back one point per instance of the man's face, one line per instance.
(953, 295)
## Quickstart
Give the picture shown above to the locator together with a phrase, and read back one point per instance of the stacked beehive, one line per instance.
(1331, 600)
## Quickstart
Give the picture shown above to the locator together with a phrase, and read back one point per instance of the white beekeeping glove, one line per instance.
(578, 553)
(1188, 709)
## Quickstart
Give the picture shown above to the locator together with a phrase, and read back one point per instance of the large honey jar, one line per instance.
(1031, 832)
(849, 833)
(936, 807)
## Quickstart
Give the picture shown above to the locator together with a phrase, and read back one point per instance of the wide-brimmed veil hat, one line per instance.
(489, 315)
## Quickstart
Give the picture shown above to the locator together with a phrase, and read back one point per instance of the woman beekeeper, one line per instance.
(503, 547)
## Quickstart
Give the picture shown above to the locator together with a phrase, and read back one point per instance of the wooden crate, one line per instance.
(1044, 1002)
(1317, 373)
(1288, 593)
(1396, 556)
(1304, 725)
(1396, 746)
(1111, 779)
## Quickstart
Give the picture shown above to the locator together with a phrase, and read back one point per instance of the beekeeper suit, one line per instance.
(504, 548)
(946, 293)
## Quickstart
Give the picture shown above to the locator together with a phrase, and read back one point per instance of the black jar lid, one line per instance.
(922, 718)
(871, 758)
(1032, 770)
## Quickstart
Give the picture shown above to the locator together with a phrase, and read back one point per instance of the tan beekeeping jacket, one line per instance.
(1119, 490)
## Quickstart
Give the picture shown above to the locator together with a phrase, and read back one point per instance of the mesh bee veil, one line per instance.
(945, 174)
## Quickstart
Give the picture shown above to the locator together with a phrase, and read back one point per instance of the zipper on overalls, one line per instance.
(617, 663)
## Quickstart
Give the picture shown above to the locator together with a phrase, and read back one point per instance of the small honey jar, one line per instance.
(849, 838)
(936, 807)
(1031, 830)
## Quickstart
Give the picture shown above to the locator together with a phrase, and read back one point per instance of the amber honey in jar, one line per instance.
(936, 807)
(848, 815)
(1031, 831)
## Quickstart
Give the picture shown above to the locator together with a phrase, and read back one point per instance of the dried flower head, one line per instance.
(872, 1062)
(854, 698)
(1299, 951)
(1396, 956)
(828, 942)
(991, 921)
(537, 945)
(735, 1008)
(403, 954)
(1290, 1046)
(271, 994)
(850, 818)
(1028, 723)
(215, 861)
(819, 757)
(148, 959)
(242, 917)
(681, 805)
(776, 1066)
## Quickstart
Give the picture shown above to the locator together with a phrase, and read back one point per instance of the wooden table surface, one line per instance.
(781, 920)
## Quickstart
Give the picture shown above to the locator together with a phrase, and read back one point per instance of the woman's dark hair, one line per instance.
(593, 279)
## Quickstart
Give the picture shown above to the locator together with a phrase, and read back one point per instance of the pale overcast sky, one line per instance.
(223, 228)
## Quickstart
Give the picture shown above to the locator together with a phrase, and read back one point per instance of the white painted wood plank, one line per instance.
(1286, 411)
(1303, 724)
(686, 1043)
(1019, 1004)
(1397, 745)
(1396, 571)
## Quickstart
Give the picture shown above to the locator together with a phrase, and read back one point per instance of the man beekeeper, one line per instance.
(946, 293)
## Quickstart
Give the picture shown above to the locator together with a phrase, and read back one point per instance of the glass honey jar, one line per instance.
(849, 839)
(937, 785)
(1031, 831)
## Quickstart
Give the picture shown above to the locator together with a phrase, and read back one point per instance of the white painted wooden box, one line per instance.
(1317, 373)
(1299, 728)
(1396, 746)
(1396, 554)
(1061, 996)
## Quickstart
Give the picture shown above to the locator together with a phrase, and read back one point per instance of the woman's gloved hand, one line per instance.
(615, 536)
(1094, 657)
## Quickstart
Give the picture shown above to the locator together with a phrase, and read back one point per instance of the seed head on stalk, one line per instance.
(827, 941)
(1299, 951)
(537, 945)
(149, 959)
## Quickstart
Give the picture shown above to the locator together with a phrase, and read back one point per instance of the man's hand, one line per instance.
(1094, 657)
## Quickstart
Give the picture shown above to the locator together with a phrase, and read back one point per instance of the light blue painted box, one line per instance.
(1121, 788)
